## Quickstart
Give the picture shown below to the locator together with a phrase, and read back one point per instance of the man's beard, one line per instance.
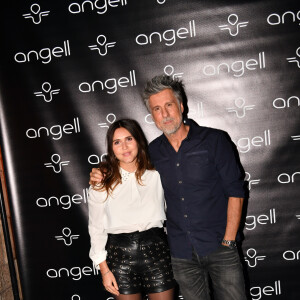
(170, 130)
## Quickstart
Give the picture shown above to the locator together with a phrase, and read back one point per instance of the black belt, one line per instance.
(137, 234)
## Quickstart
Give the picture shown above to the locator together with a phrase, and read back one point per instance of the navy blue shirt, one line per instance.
(197, 181)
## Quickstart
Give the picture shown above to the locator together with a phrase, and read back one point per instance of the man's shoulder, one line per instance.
(207, 132)
(155, 142)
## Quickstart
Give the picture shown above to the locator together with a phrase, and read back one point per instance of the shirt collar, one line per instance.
(193, 128)
(125, 174)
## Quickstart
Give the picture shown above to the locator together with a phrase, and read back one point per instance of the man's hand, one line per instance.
(95, 176)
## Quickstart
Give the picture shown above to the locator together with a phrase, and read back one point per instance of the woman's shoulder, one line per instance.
(96, 194)
(151, 174)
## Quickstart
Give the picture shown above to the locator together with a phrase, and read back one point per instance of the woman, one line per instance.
(126, 215)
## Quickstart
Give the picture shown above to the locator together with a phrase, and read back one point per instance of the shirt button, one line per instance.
(179, 181)
(178, 164)
(189, 232)
(185, 216)
(182, 199)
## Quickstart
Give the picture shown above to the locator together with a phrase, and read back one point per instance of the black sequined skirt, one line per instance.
(140, 261)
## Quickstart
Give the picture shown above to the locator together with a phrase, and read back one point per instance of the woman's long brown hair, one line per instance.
(110, 167)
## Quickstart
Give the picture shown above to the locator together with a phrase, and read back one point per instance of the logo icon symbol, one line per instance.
(110, 118)
(233, 25)
(240, 108)
(251, 182)
(161, 1)
(169, 70)
(295, 137)
(56, 164)
(36, 14)
(67, 237)
(252, 259)
(295, 59)
(46, 92)
(102, 45)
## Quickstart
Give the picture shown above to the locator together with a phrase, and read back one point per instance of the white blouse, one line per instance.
(131, 207)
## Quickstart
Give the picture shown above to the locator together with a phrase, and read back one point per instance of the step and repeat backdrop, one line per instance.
(70, 68)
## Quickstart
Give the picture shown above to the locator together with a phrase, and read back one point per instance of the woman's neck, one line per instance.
(129, 167)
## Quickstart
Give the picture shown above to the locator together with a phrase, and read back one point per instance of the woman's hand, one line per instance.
(95, 176)
(110, 283)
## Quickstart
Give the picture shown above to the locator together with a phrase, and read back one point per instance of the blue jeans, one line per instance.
(224, 268)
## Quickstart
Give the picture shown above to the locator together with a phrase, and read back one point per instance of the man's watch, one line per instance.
(230, 244)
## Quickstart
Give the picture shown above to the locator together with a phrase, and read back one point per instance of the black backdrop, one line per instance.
(70, 68)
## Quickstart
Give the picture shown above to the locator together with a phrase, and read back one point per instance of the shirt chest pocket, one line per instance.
(198, 166)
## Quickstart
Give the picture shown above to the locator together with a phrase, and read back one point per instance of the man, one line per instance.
(204, 195)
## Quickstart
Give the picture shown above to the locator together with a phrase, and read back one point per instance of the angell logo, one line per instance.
(95, 159)
(64, 201)
(238, 67)
(169, 37)
(240, 108)
(67, 237)
(233, 25)
(295, 59)
(169, 71)
(295, 137)
(47, 92)
(75, 273)
(56, 163)
(45, 54)
(286, 178)
(100, 6)
(36, 14)
(291, 255)
(109, 85)
(251, 182)
(283, 103)
(245, 144)
(286, 18)
(55, 131)
(252, 258)
(253, 221)
(110, 118)
(102, 45)
(258, 292)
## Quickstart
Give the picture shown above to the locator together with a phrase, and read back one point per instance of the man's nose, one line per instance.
(164, 113)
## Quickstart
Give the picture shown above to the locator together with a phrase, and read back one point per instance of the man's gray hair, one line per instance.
(160, 83)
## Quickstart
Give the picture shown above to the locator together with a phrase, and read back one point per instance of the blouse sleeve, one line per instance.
(98, 236)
